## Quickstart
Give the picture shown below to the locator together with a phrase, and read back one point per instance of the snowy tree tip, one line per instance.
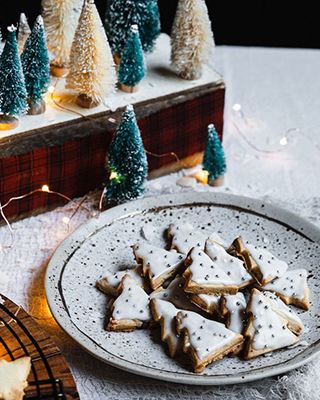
(23, 17)
(12, 28)
(129, 107)
(134, 28)
(39, 19)
(210, 126)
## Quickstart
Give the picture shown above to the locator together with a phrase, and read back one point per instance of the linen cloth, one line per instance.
(279, 94)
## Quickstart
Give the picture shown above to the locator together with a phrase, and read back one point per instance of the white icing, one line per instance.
(236, 305)
(281, 308)
(205, 336)
(156, 260)
(292, 284)
(271, 331)
(211, 300)
(13, 378)
(175, 294)
(132, 303)
(185, 237)
(114, 279)
(217, 267)
(168, 312)
(269, 265)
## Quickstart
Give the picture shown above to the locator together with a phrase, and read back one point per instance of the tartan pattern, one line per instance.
(77, 166)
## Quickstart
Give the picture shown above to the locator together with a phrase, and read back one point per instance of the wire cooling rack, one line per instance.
(20, 335)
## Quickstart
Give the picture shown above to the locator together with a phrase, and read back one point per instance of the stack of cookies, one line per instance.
(209, 300)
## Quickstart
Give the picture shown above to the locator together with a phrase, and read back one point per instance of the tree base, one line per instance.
(59, 72)
(116, 58)
(128, 89)
(85, 101)
(8, 122)
(36, 108)
(191, 75)
(217, 182)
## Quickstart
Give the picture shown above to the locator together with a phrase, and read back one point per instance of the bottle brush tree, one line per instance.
(36, 69)
(132, 67)
(127, 162)
(13, 94)
(92, 72)
(60, 21)
(192, 41)
(23, 32)
(122, 14)
(214, 158)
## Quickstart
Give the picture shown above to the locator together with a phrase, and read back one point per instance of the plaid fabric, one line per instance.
(77, 166)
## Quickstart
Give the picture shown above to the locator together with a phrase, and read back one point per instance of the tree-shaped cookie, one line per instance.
(110, 283)
(192, 41)
(13, 94)
(214, 271)
(292, 287)
(23, 32)
(60, 20)
(35, 65)
(122, 14)
(132, 68)
(205, 340)
(207, 302)
(232, 309)
(130, 310)
(92, 72)
(214, 158)
(127, 161)
(266, 330)
(165, 312)
(157, 264)
(261, 264)
(13, 378)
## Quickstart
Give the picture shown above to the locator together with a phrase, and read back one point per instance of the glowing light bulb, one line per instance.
(45, 188)
(283, 141)
(201, 176)
(236, 107)
(50, 89)
(66, 220)
(113, 175)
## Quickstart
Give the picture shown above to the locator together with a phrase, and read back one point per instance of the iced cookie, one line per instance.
(233, 308)
(185, 237)
(294, 322)
(130, 310)
(175, 294)
(205, 340)
(157, 264)
(220, 273)
(266, 329)
(292, 287)
(207, 302)
(165, 313)
(110, 283)
(13, 378)
(261, 264)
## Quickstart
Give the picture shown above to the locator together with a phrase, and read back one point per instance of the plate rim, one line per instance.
(261, 206)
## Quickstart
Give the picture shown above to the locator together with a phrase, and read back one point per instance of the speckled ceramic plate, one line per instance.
(103, 243)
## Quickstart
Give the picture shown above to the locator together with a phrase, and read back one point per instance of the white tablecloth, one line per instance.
(279, 94)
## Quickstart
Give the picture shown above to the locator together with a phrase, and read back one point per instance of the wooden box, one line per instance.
(66, 147)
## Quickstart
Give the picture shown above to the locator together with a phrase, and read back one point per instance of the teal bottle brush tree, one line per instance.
(36, 68)
(127, 161)
(214, 161)
(13, 94)
(122, 14)
(132, 66)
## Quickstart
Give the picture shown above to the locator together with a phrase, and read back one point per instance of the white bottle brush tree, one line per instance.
(192, 41)
(60, 21)
(23, 32)
(92, 72)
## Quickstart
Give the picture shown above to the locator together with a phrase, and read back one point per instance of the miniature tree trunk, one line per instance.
(13, 95)
(35, 64)
(23, 32)
(191, 39)
(127, 162)
(131, 69)
(92, 73)
(60, 19)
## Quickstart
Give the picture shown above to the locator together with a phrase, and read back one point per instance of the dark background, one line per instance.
(251, 23)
